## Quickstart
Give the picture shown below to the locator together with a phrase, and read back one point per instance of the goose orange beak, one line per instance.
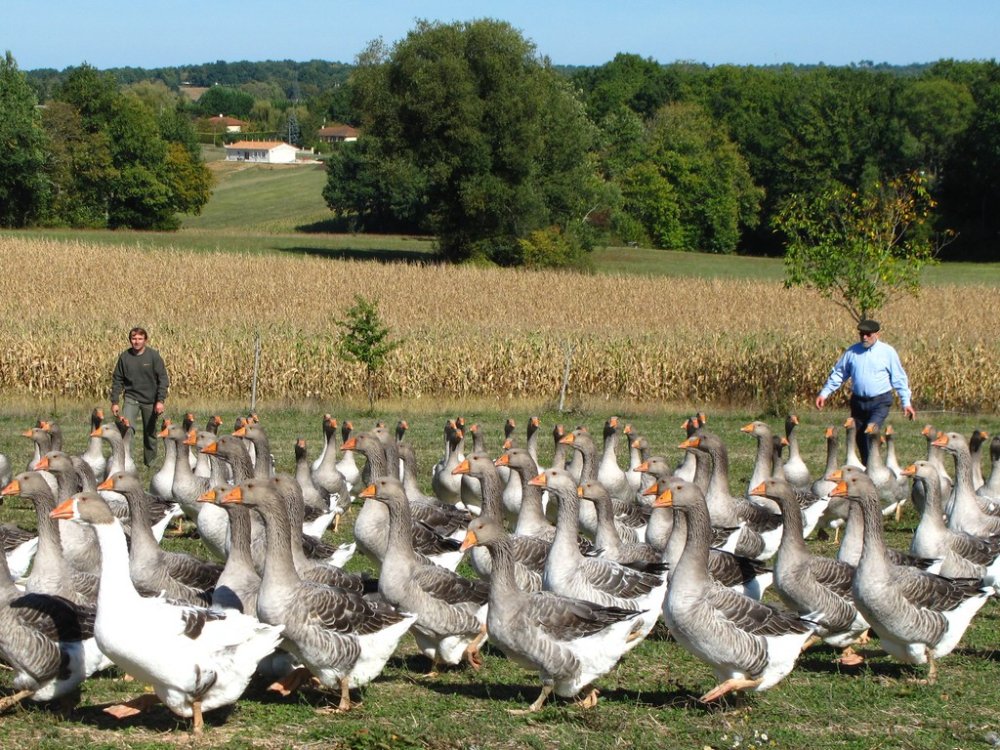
(909, 471)
(747, 427)
(759, 490)
(828, 433)
(692, 442)
(652, 490)
(569, 439)
(504, 459)
(941, 440)
(643, 467)
(350, 444)
(664, 500)
(462, 468)
(469, 541)
(191, 439)
(836, 475)
(840, 490)
(161, 434)
(539, 481)
(43, 464)
(64, 510)
(212, 448)
(241, 432)
(209, 496)
(235, 495)
(368, 491)
(107, 484)
(14, 488)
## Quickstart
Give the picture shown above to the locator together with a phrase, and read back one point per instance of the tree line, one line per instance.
(472, 135)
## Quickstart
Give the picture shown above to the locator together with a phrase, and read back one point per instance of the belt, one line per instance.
(873, 398)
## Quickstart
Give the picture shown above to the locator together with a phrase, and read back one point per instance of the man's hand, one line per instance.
(115, 409)
(820, 402)
(158, 407)
(910, 412)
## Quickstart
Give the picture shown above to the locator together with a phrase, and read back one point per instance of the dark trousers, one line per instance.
(866, 411)
(132, 411)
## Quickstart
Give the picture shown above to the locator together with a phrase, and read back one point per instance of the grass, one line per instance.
(649, 701)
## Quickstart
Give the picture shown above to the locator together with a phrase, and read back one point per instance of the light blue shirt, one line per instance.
(872, 372)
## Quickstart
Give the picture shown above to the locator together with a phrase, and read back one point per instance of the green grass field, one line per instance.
(648, 701)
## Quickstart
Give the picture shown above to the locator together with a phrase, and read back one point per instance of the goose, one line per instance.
(919, 617)
(608, 541)
(936, 456)
(818, 588)
(760, 531)
(94, 454)
(450, 609)
(811, 506)
(195, 659)
(239, 583)
(447, 485)
(686, 468)
(851, 439)
(319, 512)
(469, 488)
(763, 460)
(50, 573)
(263, 459)
(629, 516)
(835, 514)
(569, 642)
(638, 451)
(347, 465)
(509, 428)
(446, 520)
(595, 579)
(78, 544)
(991, 489)
(47, 641)
(203, 464)
(853, 540)
(531, 437)
(340, 637)
(42, 440)
(328, 479)
(371, 529)
(976, 442)
(964, 512)
(749, 645)
(962, 555)
(892, 490)
(609, 473)
(329, 425)
(891, 460)
(187, 488)
(531, 518)
(795, 467)
(179, 576)
(162, 481)
(529, 552)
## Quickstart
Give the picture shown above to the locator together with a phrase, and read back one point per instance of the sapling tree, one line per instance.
(364, 339)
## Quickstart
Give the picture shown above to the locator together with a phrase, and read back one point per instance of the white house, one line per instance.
(265, 152)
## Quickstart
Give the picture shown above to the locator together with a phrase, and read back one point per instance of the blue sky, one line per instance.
(155, 33)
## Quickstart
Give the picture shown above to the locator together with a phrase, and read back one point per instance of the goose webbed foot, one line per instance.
(536, 706)
(133, 707)
(291, 682)
(727, 687)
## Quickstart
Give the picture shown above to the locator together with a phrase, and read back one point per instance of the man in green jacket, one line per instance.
(141, 377)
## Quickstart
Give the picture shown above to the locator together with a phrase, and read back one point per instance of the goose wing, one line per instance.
(934, 592)
(568, 619)
(618, 580)
(450, 587)
(751, 616)
(833, 574)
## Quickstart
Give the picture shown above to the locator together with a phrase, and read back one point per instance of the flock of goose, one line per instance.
(574, 562)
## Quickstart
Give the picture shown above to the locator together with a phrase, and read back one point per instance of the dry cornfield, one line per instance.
(494, 333)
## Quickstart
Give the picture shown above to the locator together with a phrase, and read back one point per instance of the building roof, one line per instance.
(342, 131)
(265, 145)
(224, 120)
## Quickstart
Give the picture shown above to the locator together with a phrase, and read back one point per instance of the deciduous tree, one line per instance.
(23, 188)
(861, 248)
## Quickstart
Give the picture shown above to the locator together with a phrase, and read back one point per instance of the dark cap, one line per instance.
(868, 326)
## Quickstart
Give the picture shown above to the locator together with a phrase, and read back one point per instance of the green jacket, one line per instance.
(142, 377)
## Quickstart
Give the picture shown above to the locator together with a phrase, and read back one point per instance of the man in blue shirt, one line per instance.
(875, 371)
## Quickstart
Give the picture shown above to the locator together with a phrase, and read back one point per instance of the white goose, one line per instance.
(195, 659)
